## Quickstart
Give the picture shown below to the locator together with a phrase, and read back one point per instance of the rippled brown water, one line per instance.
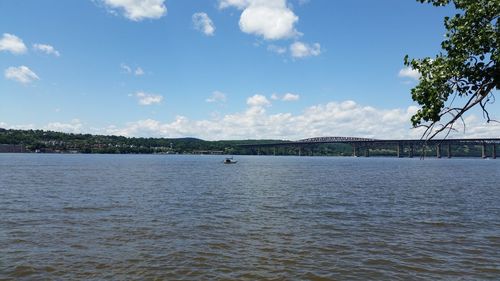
(94, 217)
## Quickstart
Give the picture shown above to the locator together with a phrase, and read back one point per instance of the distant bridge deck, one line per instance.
(401, 144)
(375, 142)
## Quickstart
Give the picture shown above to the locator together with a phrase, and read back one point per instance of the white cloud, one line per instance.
(408, 72)
(346, 118)
(75, 126)
(126, 68)
(148, 99)
(217, 97)
(239, 4)
(203, 23)
(138, 72)
(302, 50)
(21, 74)
(270, 19)
(138, 10)
(290, 97)
(476, 127)
(48, 49)
(258, 101)
(12, 43)
(18, 127)
(276, 49)
(285, 97)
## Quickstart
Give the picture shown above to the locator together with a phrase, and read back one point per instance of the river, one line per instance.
(170, 217)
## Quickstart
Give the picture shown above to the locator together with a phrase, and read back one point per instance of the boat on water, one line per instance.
(229, 160)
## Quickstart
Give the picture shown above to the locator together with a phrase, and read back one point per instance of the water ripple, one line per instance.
(116, 217)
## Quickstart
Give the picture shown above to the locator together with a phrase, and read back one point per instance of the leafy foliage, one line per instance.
(467, 67)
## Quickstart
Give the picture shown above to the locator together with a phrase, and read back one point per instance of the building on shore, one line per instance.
(12, 148)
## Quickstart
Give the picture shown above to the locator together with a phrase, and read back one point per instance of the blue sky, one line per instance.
(217, 69)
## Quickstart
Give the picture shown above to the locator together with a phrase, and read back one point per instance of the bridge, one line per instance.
(402, 146)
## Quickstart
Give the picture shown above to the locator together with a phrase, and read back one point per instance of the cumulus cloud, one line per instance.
(272, 22)
(476, 127)
(138, 10)
(276, 49)
(19, 126)
(21, 74)
(258, 101)
(148, 99)
(127, 69)
(75, 126)
(270, 19)
(217, 97)
(12, 43)
(138, 72)
(346, 118)
(203, 23)
(286, 97)
(301, 50)
(48, 49)
(240, 4)
(408, 72)
(290, 97)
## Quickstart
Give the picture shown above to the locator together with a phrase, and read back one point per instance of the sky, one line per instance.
(218, 69)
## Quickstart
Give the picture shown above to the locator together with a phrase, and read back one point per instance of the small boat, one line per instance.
(229, 161)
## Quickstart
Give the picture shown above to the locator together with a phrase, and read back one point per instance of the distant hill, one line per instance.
(58, 142)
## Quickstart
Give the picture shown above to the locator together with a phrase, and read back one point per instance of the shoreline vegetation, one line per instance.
(40, 141)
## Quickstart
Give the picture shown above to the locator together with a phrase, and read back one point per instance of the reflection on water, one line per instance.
(80, 217)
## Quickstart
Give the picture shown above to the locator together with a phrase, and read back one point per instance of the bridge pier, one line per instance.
(354, 150)
(367, 152)
(494, 152)
(483, 151)
(300, 150)
(449, 150)
(438, 151)
(400, 150)
(410, 151)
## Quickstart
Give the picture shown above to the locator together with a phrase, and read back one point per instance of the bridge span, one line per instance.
(402, 146)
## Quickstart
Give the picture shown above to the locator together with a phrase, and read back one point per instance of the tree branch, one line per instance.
(477, 98)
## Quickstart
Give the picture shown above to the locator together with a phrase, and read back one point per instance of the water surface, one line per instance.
(165, 217)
